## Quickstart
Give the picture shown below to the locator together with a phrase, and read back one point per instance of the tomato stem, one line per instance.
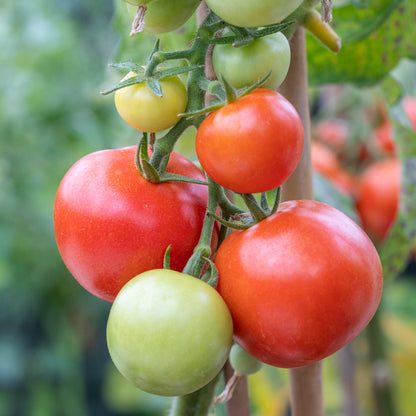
(195, 404)
(257, 212)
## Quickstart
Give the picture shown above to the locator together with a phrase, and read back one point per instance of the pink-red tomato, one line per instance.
(325, 162)
(383, 138)
(300, 284)
(378, 193)
(111, 224)
(252, 144)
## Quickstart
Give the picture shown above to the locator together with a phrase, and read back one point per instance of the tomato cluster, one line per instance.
(372, 177)
(136, 226)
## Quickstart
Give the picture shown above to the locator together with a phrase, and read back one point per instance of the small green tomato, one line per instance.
(139, 107)
(169, 333)
(243, 362)
(243, 66)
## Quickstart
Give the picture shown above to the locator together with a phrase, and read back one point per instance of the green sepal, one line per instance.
(130, 66)
(230, 91)
(170, 72)
(211, 276)
(153, 81)
(276, 203)
(166, 258)
(138, 79)
(228, 96)
(171, 177)
(154, 86)
(269, 30)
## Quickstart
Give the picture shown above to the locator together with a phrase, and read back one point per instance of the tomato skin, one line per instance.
(243, 66)
(253, 144)
(378, 194)
(300, 285)
(169, 333)
(249, 13)
(144, 111)
(165, 15)
(111, 224)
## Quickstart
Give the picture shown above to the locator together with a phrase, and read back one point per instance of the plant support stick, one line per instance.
(305, 382)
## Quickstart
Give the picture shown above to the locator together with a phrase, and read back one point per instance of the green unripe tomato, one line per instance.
(164, 16)
(169, 333)
(139, 107)
(243, 66)
(243, 362)
(249, 13)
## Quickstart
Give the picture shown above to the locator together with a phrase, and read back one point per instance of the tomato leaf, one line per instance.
(354, 22)
(395, 251)
(365, 58)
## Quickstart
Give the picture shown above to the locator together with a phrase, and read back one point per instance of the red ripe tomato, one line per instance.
(333, 132)
(300, 284)
(383, 138)
(111, 224)
(378, 197)
(252, 144)
(326, 163)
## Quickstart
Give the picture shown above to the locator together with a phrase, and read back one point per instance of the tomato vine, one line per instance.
(248, 145)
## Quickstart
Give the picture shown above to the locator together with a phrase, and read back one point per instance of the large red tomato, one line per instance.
(378, 197)
(300, 284)
(111, 224)
(253, 144)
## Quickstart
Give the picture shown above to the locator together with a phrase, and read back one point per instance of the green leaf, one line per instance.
(395, 251)
(367, 61)
(353, 23)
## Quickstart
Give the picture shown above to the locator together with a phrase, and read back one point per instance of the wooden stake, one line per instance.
(305, 382)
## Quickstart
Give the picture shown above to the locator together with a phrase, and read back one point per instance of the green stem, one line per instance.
(196, 99)
(195, 404)
(203, 248)
(256, 211)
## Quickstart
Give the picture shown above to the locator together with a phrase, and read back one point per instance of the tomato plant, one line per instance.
(165, 15)
(252, 144)
(111, 224)
(139, 107)
(169, 333)
(250, 14)
(377, 198)
(244, 65)
(300, 284)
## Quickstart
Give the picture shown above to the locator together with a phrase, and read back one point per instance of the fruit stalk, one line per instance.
(305, 382)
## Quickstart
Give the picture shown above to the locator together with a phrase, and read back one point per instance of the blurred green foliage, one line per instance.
(53, 356)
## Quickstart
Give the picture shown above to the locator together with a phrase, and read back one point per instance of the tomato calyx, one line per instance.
(241, 220)
(225, 93)
(153, 175)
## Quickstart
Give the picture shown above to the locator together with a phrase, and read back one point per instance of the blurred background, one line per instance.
(53, 354)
